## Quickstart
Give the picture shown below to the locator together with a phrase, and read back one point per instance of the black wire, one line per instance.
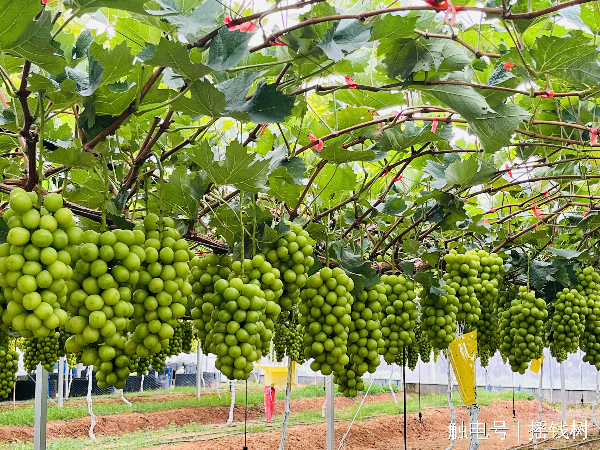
(246, 418)
(513, 391)
(420, 415)
(404, 383)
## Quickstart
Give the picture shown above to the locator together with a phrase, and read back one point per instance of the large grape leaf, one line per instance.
(199, 22)
(205, 100)
(424, 54)
(553, 53)
(136, 6)
(17, 16)
(117, 61)
(235, 90)
(344, 36)
(246, 171)
(468, 172)
(585, 70)
(268, 105)
(176, 56)
(34, 45)
(227, 49)
(393, 26)
(283, 186)
(183, 192)
(361, 272)
(396, 138)
(495, 129)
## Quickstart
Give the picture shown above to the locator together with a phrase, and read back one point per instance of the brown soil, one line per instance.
(126, 423)
(386, 433)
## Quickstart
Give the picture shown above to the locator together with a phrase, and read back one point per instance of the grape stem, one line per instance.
(40, 150)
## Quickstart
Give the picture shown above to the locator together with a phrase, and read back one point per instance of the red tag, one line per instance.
(537, 226)
(398, 178)
(319, 142)
(509, 172)
(386, 172)
(508, 65)
(246, 26)
(593, 135)
(585, 214)
(351, 84)
(451, 9)
(269, 402)
(491, 211)
(546, 194)
(536, 212)
(277, 42)
(437, 4)
(44, 2)
(434, 125)
(549, 93)
(264, 127)
(486, 220)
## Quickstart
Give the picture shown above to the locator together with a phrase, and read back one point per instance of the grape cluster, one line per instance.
(238, 333)
(35, 263)
(9, 365)
(287, 340)
(325, 307)
(40, 351)
(589, 289)
(412, 356)
(106, 270)
(570, 310)
(73, 359)
(438, 316)
(462, 276)
(491, 273)
(400, 315)
(175, 343)
(293, 258)
(112, 371)
(424, 348)
(205, 272)
(259, 272)
(365, 340)
(162, 290)
(139, 365)
(187, 336)
(522, 328)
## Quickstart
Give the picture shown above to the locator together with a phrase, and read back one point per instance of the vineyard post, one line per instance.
(61, 380)
(563, 400)
(41, 408)
(594, 422)
(198, 371)
(551, 380)
(330, 412)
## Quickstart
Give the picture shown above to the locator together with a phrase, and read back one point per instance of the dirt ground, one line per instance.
(386, 433)
(126, 423)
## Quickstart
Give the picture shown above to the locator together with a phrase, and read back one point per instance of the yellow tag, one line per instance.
(277, 375)
(463, 352)
(536, 364)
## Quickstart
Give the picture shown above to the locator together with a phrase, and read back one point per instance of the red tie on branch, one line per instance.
(548, 93)
(486, 220)
(44, 2)
(398, 178)
(536, 212)
(319, 142)
(508, 65)
(434, 125)
(585, 214)
(246, 26)
(277, 42)
(537, 226)
(351, 84)
(546, 194)
(491, 211)
(264, 128)
(508, 171)
(593, 135)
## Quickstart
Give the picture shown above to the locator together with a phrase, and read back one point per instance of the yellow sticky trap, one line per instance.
(536, 364)
(463, 352)
(277, 375)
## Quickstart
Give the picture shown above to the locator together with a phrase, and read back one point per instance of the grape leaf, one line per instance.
(117, 61)
(246, 171)
(17, 17)
(199, 22)
(361, 272)
(555, 53)
(205, 100)
(268, 105)
(393, 26)
(227, 48)
(178, 193)
(176, 56)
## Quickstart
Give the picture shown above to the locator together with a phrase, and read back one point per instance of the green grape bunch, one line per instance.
(491, 272)
(589, 289)
(205, 272)
(161, 293)
(293, 257)
(9, 365)
(187, 336)
(438, 316)
(325, 307)
(462, 276)
(570, 310)
(44, 351)
(400, 312)
(112, 371)
(35, 263)
(522, 328)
